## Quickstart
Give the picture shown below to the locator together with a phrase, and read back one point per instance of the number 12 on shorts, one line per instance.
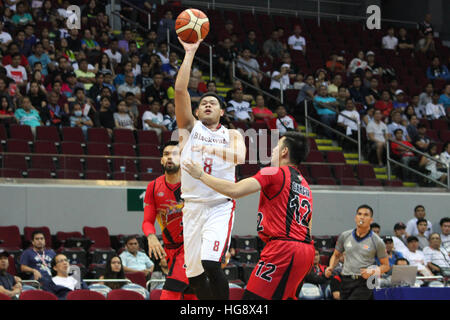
(265, 275)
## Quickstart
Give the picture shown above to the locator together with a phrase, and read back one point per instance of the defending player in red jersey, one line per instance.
(163, 202)
(284, 218)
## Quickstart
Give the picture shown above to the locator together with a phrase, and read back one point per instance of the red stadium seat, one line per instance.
(326, 181)
(71, 163)
(96, 175)
(62, 236)
(77, 255)
(148, 176)
(432, 134)
(98, 234)
(39, 174)
(120, 294)
(315, 156)
(4, 297)
(27, 231)
(320, 171)
(394, 183)
(37, 295)
(3, 135)
(149, 136)
(138, 278)
(248, 170)
(124, 136)
(126, 176)
(68, 174)
(98, 135)
(149, 150)
(47, 134)
(150, 166)
(168, 136)
(11, 173)
(21, 132)
(98, 149)
(236, 293)
(15, 162)
(85, 295)
(371, 182)
(74, 134)
(343, 171)
(312, 144)
(349, 182)
(19, 146)
(335, 157)
(155, 294)
(42, 161)
(10, 236)
(365, 171)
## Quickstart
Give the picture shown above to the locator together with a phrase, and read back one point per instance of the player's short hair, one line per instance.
(169, 143)
(298, 146)
(212, 94)
(418, 206)
(374, 225)
(365, 206)
(35, 232)
(401, 259)
(444, 220)
(421, 220)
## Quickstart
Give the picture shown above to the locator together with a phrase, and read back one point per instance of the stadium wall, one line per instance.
(69, 207)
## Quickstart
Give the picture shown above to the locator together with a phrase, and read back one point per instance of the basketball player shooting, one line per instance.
(283, 220)
(163, 202)
(208, 216)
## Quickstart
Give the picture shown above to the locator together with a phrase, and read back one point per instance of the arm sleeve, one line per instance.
(148, 225)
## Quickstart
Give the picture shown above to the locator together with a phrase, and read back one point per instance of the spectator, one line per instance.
(260, 111)
(425, 26)
(132, 107)
(252, 44)
(432, 166)
(36, 260)
(377, 133)
(368, 76)
(393, 255)
(358, 64)
(412, 127)
(194, 93)
(27, 115)
(123, 119)
(123, 44)
(9, 285)
(422, 225)
(153, 119)
(296, 41)
(74, 42)
(272, 47)
(17, 72)
(372, 64)
(326, 107)
(226, 32)
(406, 156)
(113, 52)
(114, 271)
(249, 68)
(336, 64)
(95, 90)
(357, 91)
(400, 237)
(397, 124)
(84, 75)
(281, 80)
(166, 23)
(385, 105)
(170, 69)
(89, 45)
(434, 109)
(170, 120)
(145, 79)
(350, 126)
(445, 154)
(6, 109)
(425, 98)
(225, 56)
(421, 142)
(39, 56)
(129, 86)
(375, 227)
(237, 85)
(404, 41)
(106, 115)
(21, 17)
(156, 91)
(373, 95)
(333, 88)
(77, 119)
(400, 102)
(389, 41)
(307, 92)
(239, 109)
(426, 43)
(416, 256)
(284, 122)
(317, 273)
(5, 37)
(53, 114)
(163, 53)
(298, 84)
(436, 257)
(445, 233)
(342, 96)
(444, 99)
(411, 225)
(134, 260)
(86, 105)
(437, 71)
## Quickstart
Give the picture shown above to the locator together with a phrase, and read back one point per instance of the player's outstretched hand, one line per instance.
(193, 168)
(154, 247)
(328, 272)
(190, 47)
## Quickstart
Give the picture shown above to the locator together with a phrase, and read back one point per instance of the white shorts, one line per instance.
(206, 232)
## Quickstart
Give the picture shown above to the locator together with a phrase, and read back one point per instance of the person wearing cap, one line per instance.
(9, 284)
(396, 123)
(281, 79)
(361, 246)
(416, 256)
(372, 64)
(400, 102)
(296, 41)
(393, 255)
(411, 225)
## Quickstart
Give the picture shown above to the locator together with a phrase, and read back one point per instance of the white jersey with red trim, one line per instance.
(193, 189)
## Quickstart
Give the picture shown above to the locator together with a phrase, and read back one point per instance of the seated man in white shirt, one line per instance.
(284, 122)
(134, 260)
(349, 125)
(434, 109)
(239, 109)
(296, 41)
(436, 257)
(416, 256)
(390, 41)
(445, 233)
(411, 225)
(61, 265)
(153, 119)
(400, 238)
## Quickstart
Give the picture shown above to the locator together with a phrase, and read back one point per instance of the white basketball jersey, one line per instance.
(193, 189)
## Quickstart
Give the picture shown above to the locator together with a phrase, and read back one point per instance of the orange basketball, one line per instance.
(191, 25)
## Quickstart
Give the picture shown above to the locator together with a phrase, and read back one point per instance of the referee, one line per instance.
(361, 247)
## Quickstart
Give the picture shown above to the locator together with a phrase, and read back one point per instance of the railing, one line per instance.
(149, 17)
(358, 142)
(389, 160)
(128, 281)
(32, 282)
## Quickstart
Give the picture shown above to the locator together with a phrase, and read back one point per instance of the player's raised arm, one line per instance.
(234, 190)
(183, 109)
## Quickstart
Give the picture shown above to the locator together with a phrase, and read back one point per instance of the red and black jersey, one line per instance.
(285, 204)
(163, 202)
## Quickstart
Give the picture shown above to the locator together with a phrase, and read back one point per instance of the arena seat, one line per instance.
(320, 171)
(95, 175)
(3, 134)
(149, 150)
(10, 237)
(365, 171)
(248, 170)
(76, 256)
(246, 242)
(4, 297)
(37, 295)
(50, 133)
(314, 156)
(21, 132)
(12, 264)
(42, 161)
(343, 171)
(394, 183)
(236, 293)
(62, 237)
(68, 174)
(349, 182)
(71, 163)
(125, 176)
(321, 242)
(371, 182)
(98, 149)
(11, 173)
(335, 157)
(247, 269)
(99, 236)
(231, 272)
(85, 295)
(137, 277)
(124, 136)
(19, 146)
(148, 176)
(155, 294)
(98, 135)
(73, 134)
(39, 174)
(149, 137)
(120, 294)
(247, 255)
(150, 166)
(27, 231)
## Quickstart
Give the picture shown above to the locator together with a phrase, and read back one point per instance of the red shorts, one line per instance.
(176, 279)
(282, 266)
